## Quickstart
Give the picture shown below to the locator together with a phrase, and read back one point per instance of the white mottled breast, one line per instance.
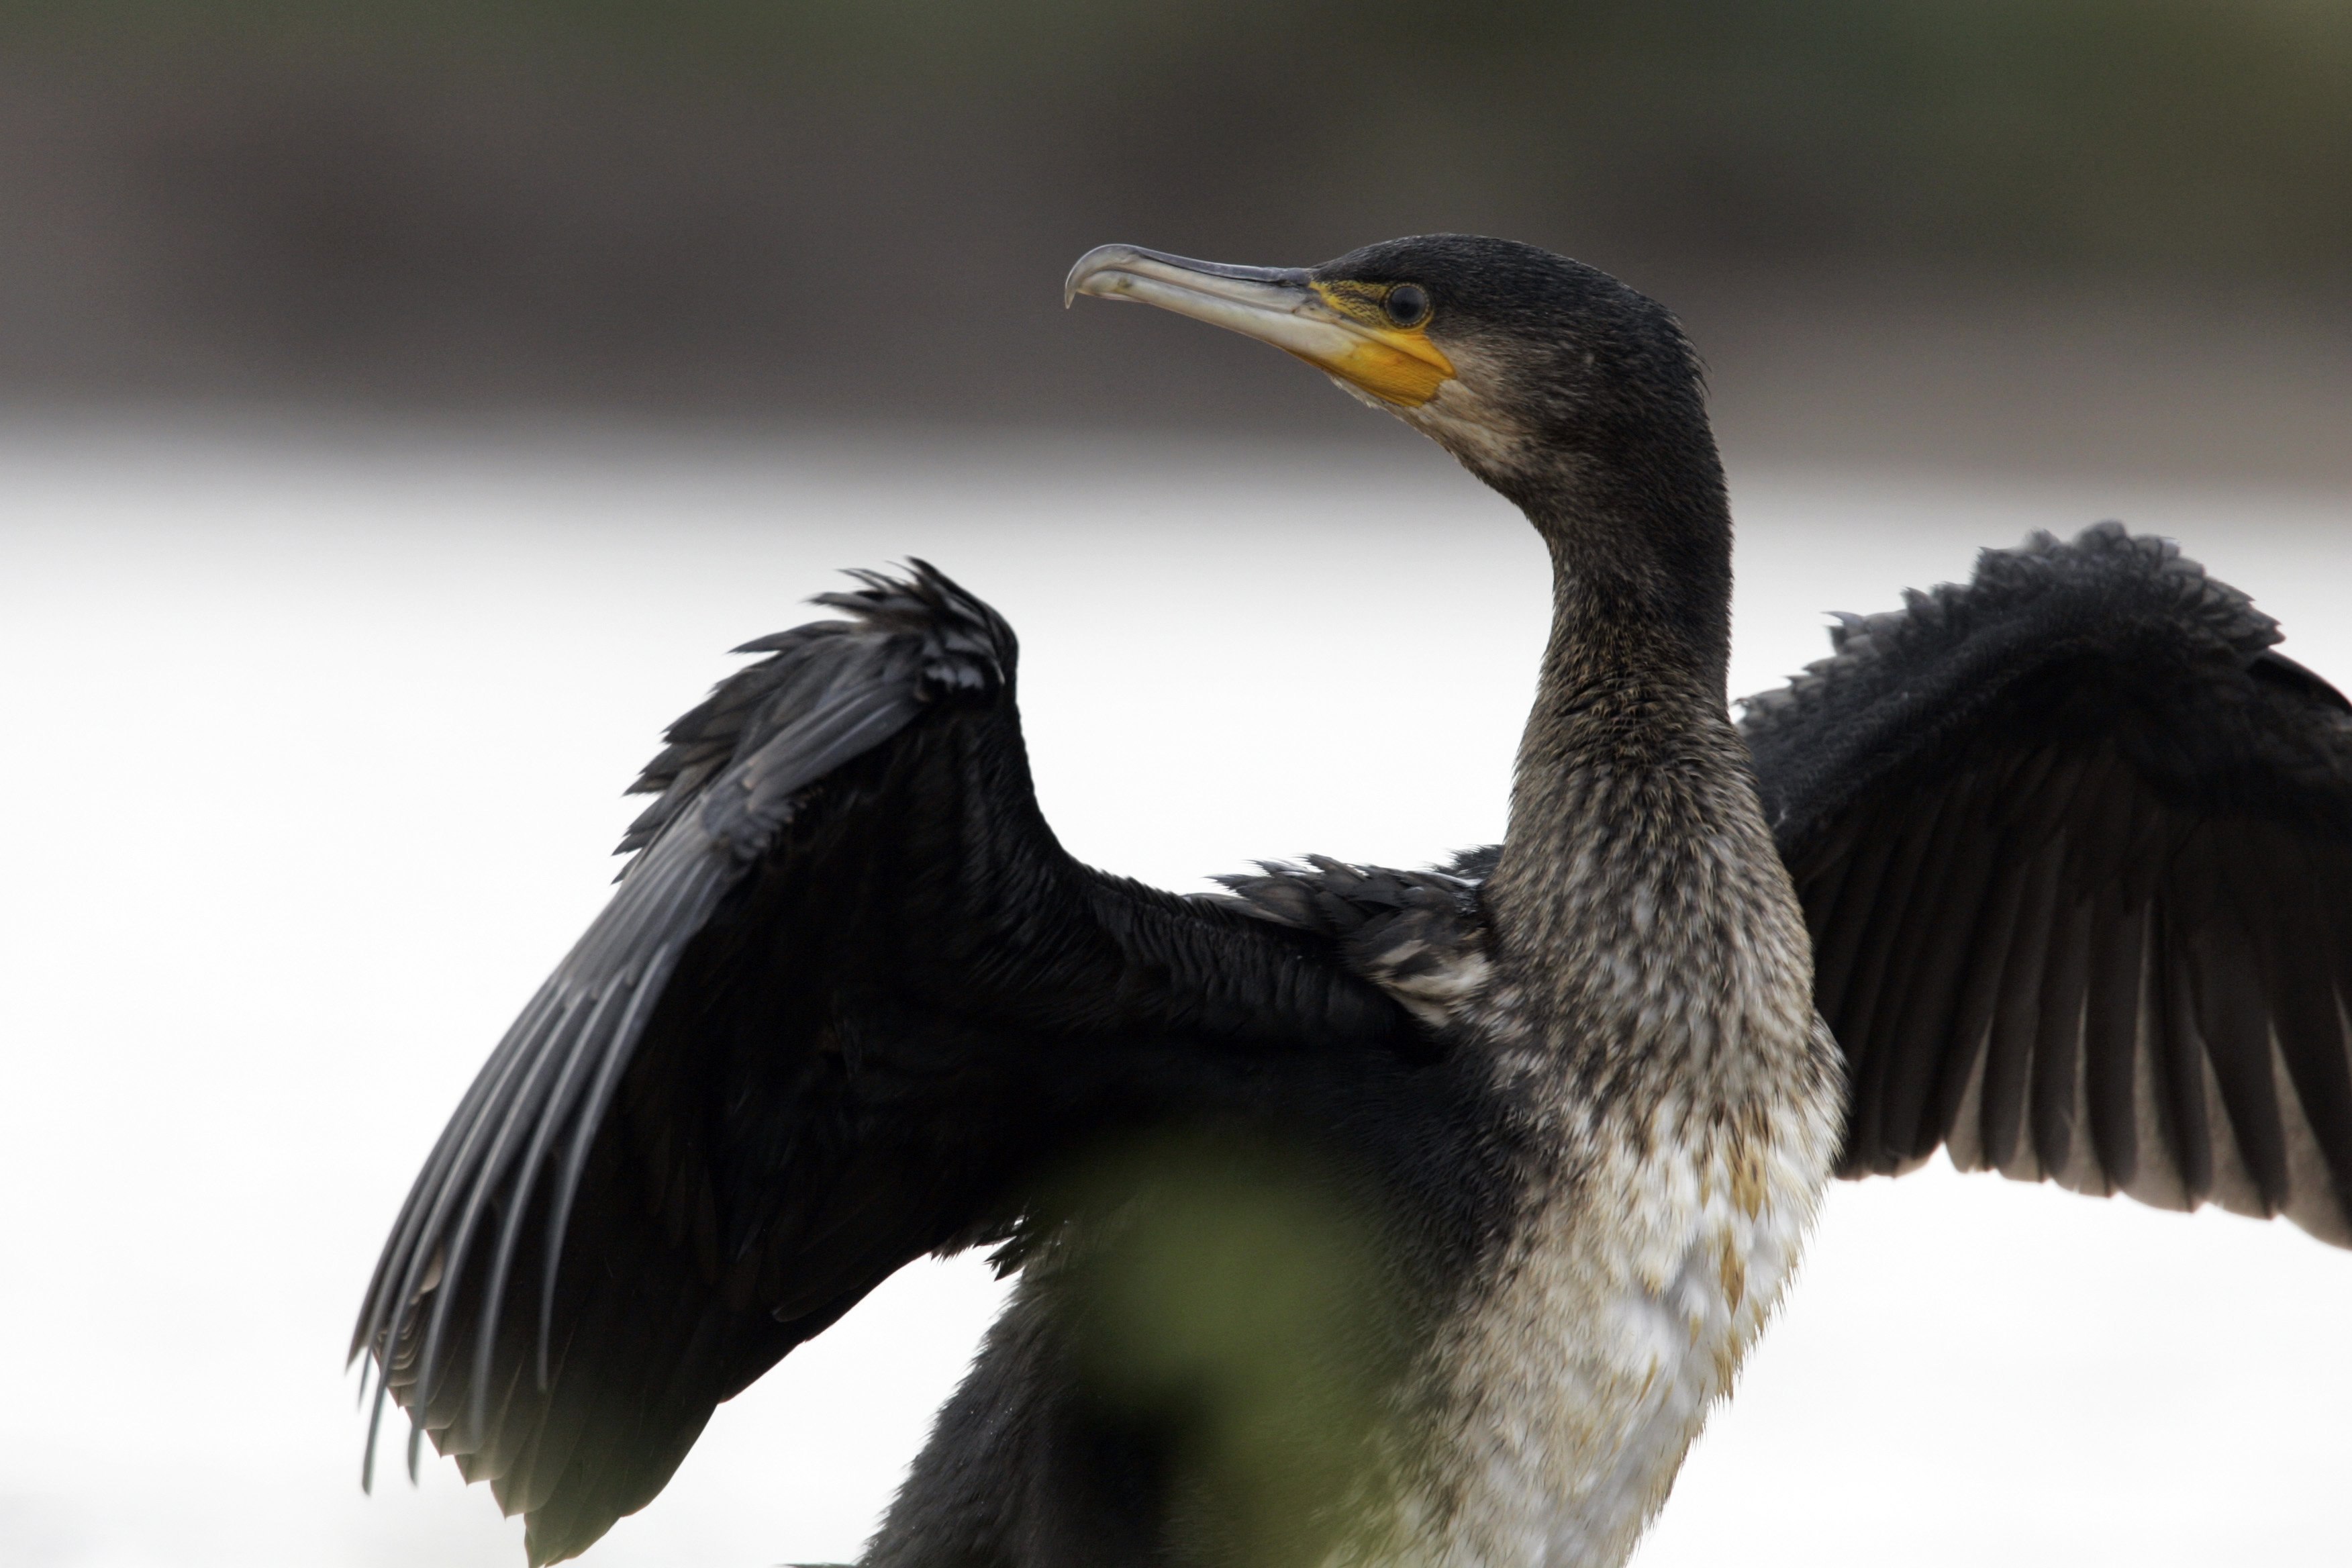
(1645, 1265)
(1621, 1316)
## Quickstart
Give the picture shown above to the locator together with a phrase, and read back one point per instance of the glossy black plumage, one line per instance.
(2071, 841)
(2077, 837)
(851, 992)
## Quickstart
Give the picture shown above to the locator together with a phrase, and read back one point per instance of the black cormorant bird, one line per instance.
(1368, 1217)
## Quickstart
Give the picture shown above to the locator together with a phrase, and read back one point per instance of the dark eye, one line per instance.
(1408, 304)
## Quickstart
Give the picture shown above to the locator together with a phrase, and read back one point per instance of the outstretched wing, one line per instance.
(848, 996)
(2076, 846)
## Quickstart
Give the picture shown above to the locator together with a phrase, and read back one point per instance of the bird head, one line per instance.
(1530, 368)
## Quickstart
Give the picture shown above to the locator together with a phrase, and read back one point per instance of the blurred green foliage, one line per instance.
(1240, 1310)
(2209, 134)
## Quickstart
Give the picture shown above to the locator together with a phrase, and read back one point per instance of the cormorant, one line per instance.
(1371, 1216)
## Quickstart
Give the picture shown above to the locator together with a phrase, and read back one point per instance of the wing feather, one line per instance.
(1839, 958)
(2076, 846)
(1930, 960)
(2112, 1051)
(847, 996)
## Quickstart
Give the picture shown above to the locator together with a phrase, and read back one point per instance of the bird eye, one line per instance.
(1408, 304)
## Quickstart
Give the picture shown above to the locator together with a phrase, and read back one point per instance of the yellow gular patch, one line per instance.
(1396, 364)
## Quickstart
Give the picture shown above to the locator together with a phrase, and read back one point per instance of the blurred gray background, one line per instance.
(402, 403)
(2055, 232)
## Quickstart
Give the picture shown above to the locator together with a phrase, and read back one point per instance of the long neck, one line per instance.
(1636, 857)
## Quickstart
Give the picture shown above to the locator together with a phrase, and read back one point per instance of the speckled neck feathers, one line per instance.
(1650, 1011)
(1639, 907)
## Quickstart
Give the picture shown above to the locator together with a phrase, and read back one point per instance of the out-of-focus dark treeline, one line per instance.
(865, 206)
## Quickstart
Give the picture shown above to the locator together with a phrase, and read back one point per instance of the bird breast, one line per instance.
(1652, 1240)
(1627, 1299)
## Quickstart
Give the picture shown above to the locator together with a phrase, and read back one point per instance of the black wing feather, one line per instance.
(848, 994)
(2075, 844)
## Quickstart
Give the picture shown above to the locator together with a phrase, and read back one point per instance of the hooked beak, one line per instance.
(1284, 306)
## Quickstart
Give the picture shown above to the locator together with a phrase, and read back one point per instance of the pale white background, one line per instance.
(313, 740)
